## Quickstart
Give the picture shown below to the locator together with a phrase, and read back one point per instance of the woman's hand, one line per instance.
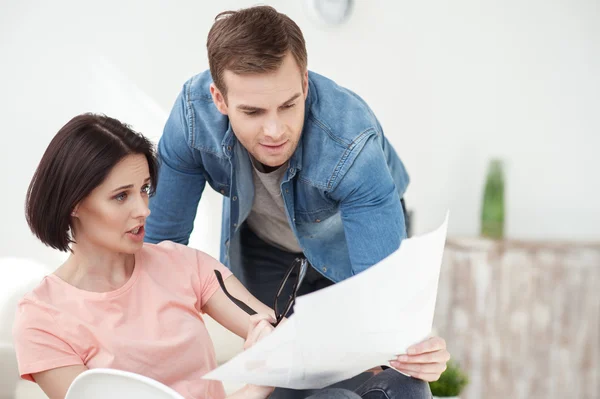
(259, 327)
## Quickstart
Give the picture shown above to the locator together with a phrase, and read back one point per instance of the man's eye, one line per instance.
(250, 113)
(288, 106)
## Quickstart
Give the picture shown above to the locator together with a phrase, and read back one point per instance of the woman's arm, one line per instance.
(259, 327)
(56, 382)
(228, 314)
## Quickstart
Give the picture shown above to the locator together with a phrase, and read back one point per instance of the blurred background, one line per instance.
(455, 84)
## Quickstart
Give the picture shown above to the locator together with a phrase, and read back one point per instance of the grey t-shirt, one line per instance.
(268, 218)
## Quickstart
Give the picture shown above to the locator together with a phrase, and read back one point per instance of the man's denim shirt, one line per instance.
(341, 190)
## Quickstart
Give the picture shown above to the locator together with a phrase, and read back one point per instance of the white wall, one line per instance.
(453, 83)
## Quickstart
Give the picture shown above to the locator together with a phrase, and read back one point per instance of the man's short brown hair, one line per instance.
(252, 40)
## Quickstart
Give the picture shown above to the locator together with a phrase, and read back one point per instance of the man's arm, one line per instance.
(181, 181)
(370, 207)
(374, 226)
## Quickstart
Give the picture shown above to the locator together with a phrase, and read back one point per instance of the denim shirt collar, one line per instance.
(228, 141)
(296, 159)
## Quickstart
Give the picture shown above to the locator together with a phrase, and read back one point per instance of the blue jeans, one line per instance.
(333, 393)
(388, 384)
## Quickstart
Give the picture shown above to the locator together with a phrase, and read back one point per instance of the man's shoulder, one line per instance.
(342, 114)
(206, 124)
(197, 88)
(339, 123)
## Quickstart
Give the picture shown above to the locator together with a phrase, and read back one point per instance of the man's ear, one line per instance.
(218, 99)
(305, 83)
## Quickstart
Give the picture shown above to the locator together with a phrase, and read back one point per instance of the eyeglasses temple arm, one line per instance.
(241, 304)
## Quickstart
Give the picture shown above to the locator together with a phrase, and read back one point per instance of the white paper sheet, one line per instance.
(349, 327)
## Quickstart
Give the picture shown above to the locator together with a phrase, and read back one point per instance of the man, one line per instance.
(302, 164)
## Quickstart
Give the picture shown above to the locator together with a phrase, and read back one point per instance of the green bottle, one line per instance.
(492, 211)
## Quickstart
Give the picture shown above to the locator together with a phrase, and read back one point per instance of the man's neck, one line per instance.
(262, 168)
(269, 169)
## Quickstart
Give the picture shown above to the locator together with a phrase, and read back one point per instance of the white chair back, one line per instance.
(17, 277)
(116, 384)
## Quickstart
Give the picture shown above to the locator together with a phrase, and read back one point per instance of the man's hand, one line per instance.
(425, 361)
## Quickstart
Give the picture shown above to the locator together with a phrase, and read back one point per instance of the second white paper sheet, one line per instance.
(349, 327)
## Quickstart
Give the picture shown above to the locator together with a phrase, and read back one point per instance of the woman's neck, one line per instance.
(95, 269)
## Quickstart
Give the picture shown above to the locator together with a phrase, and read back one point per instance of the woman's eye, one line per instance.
(121, 197)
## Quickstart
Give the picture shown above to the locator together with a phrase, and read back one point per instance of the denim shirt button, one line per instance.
(292, 171)
(318, 221)
(228, 148)
(235, 225)
(223, 192)
(324, 268)
(234, 198)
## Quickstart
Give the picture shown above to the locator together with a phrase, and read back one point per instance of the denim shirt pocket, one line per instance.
(218, 172)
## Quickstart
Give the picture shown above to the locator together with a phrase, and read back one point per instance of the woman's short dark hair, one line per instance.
(77, 160)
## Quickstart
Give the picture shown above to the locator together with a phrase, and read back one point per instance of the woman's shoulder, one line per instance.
(175, 251)
(36, 306)
(168, 256)
(40, 295)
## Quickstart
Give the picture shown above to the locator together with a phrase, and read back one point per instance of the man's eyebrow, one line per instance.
(244, 107)
(295, 96)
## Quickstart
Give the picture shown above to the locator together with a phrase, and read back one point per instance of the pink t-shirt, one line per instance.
(151, 325)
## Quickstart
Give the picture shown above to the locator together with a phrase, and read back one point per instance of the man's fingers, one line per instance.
(421, 376)
(441, 356)
(429, 345)
(419, 368)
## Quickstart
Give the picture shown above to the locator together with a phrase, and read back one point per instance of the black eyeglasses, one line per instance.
(299, 266)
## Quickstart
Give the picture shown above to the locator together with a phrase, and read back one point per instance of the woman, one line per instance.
(118, 302)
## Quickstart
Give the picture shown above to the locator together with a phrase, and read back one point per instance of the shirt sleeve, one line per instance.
(181, 182)
(206, 272)
(39, 342)
(370, 207)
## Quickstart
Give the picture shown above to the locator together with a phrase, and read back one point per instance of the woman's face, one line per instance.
(113, 215)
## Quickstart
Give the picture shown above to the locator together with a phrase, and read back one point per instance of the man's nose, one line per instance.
(273, 128)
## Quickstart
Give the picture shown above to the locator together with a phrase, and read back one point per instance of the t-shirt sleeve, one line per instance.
(208, 283)
(39, 342)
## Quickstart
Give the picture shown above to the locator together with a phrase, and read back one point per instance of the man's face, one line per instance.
(266, 111)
